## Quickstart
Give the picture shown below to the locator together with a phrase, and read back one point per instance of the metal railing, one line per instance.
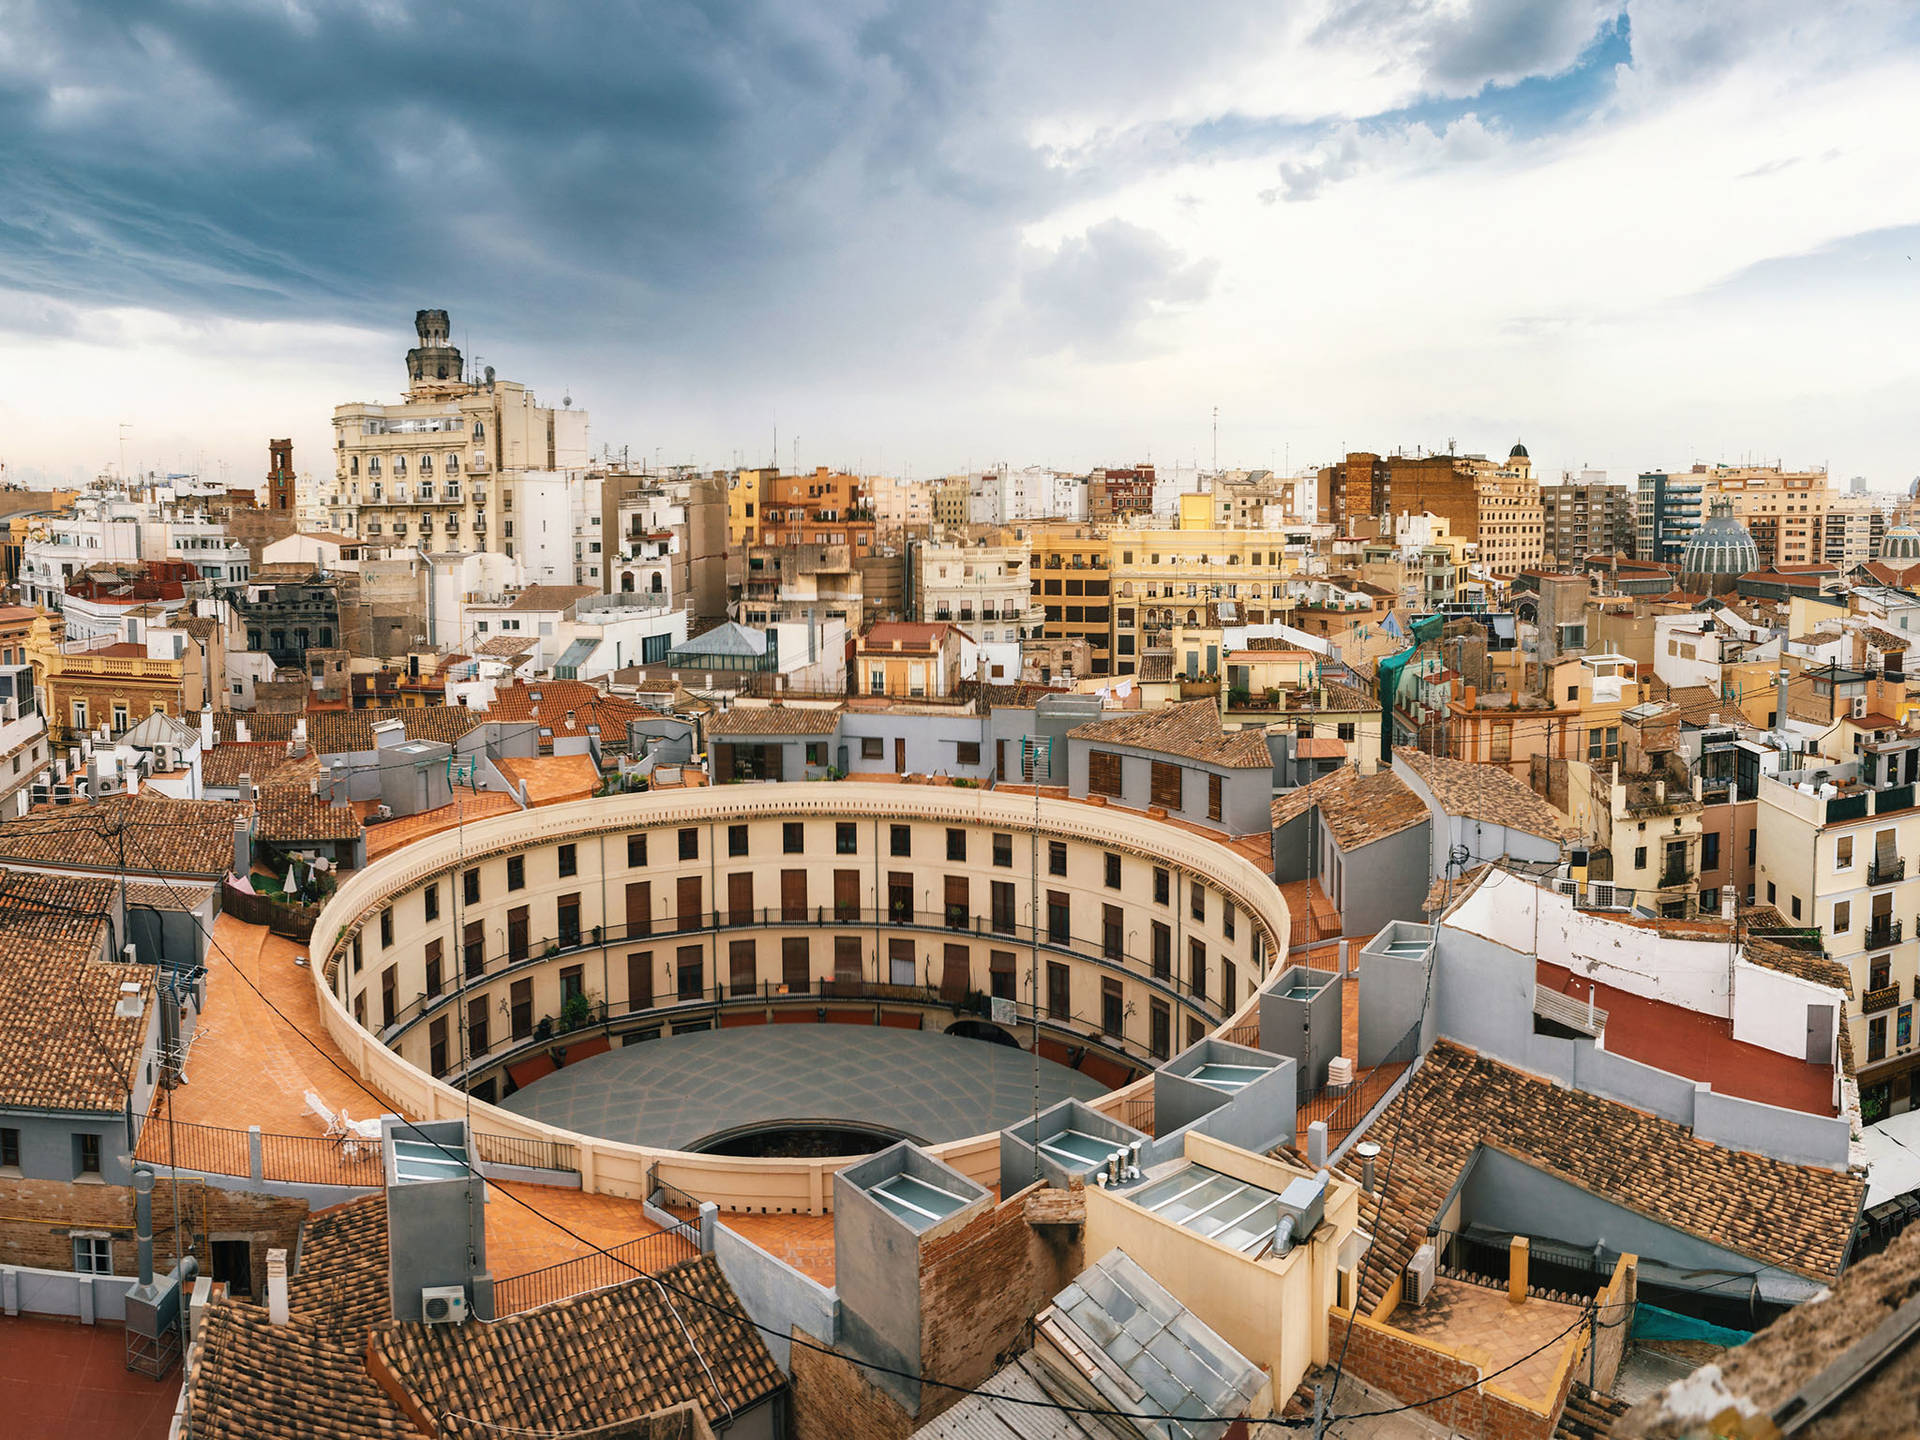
(1886, 872)
(930, 921)
(1350, 1106)
(1882, 933)
(599, 1270)
(317, 1159)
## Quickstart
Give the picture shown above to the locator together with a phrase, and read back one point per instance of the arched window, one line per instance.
(479, 430)
(373, 465)
(626, 582)
(399, 465)
(353, 465)
(1193, 617)
(426, 464)
(655, 584)
(453, 464)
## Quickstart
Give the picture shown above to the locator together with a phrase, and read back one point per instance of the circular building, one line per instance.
(1718, 553)
(701, 985)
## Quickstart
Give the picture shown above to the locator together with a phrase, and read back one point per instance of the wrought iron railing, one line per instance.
(615, 1265)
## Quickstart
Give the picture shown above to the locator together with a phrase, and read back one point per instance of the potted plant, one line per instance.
(575, 1011)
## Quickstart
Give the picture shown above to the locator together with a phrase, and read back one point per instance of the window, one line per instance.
(1003, 906)
(690, 844)
(1345, 731)
(437, 1045)
(1197, 968)
(477, 1037)
(796, 964)
(1164, 785)
(569, 861)
(9, 1148)
(959, 900)
(1877, 1038)
(1112, 1007)
(1003, 851)
(1215, 797)
(1197, 900)
(1842, 917)
(567, 921)
(967, 752)
(473, 949)
(1059, 992)
(86, 1154)
(1059, 918)
(386, 928)
(1112, 929)
(636, 851)
(816, 752)
(1710, 850)
(690, 973)
(430, 898)
(1843, 853)
(957, 845)
(1793, 903)
(1103, 773)
(1226, 918)
(1162, 885)
(1161, 1030)
(736, 839)
(1056, 857)
(92, 1255)
(846, 838)
(1000, 974)
(1639, 857)
(516, 872)
(1229, 982)
(433, 964)
(1162, 951)
(900, 838)
(1879, 972)
(1770, 892)
(872, 747)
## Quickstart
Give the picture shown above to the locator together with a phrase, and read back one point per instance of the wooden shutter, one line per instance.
(640, 980)
(639, 908)
(956, 973)
(740, 898)
(687, 906)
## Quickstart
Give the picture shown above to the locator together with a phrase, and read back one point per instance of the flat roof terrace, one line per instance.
(1700, 1047)
(682, 1089)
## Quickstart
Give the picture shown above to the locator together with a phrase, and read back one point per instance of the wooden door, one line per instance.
(687, 902)
(847, 966)
(793, 895)
(902, 968)
(846, 894)
(640, 980)
(740, 898)
(956, 974)
(639, 908)
(517, 933)
(899, 755)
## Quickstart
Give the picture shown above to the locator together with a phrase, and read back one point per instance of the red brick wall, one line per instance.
(37, 1218)
(1408, 1371)
(833, 1399)
(979, 1286)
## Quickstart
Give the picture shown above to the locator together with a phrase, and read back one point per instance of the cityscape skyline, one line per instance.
(1009, 255)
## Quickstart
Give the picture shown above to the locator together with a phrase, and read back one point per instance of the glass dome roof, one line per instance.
(1721, 546)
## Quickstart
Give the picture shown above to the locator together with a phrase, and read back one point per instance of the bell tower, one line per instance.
(433, 366)
(280, 476)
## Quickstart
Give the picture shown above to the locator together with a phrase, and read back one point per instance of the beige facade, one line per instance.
(1159, 575)
(1512, 533)
(434, 471)
(900, 504)
(983, 587)
(1784, 510)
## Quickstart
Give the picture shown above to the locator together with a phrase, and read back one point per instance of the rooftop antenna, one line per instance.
(1216, 439)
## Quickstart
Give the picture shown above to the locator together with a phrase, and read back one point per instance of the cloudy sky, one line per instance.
(926, 236)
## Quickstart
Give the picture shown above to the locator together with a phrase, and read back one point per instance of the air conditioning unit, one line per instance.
(1859, 707)
(1600, 895)
(1420, 1273)
(447, 1304)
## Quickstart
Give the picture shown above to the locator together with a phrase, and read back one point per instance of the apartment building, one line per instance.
(824, 507)
(1115, 493)
(1835, 844)
(112, 528)
(1855, 527)
(1508, 515)
(1667, 510)
(899, 503)
(1163, 576)
(1069, 576)
(1584, 515)
(985, 589)
(433, 472)
(1784, 510)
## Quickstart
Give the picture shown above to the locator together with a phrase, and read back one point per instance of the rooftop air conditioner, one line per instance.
(1420, 1273)
(1859, 707)
(444, 1304)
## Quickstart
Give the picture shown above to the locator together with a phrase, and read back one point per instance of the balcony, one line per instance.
(1884, 997)
(1886, 872)
(1675, 875)
(1883, 933)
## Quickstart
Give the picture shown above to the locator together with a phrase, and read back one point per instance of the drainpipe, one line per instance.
(433, 630)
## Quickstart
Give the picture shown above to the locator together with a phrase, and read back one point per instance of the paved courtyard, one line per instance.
(680, 1089)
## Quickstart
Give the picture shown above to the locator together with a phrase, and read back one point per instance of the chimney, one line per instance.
(297, 746)
(242, 731)
(242, 844)
(206, 727)
(277, 1286)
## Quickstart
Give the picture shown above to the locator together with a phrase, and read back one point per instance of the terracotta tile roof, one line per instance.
(1448, 891)
(1697, 703)
(1341, 696)
(339, 732)
(1772, 1366)
(260, 761)
(551, 597)
(149, 834)
(168, 897)
(507, 647)
(1804, 964)
(1191, 729)
(1485, 793)
(61, 1045)
(293, 815)
(261, 1381)
(560, 698)
(907, 635)
(342, 1278)
(775, 720)
(1588, 1414)
(1319, 747)
(597, 1359)
(1358, 809)
(1796, 1217)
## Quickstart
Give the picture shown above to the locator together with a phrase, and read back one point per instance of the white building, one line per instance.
(553, 527)
(986, 590)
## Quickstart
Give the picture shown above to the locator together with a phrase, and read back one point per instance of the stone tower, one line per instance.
(433, 365)
(280, 476)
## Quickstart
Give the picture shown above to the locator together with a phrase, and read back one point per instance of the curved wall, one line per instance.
(702, 894)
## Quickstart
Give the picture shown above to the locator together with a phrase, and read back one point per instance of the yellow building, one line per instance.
(117, 685)
(1167, 577)
(743, 506)
(1512, 530)
(1070, 577)
(1784, 510)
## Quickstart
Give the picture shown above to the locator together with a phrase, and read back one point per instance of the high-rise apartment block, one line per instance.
(1784, 510)
(1583, 515)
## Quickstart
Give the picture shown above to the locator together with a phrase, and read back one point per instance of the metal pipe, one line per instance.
(1283, 1236)
(143, 1220)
